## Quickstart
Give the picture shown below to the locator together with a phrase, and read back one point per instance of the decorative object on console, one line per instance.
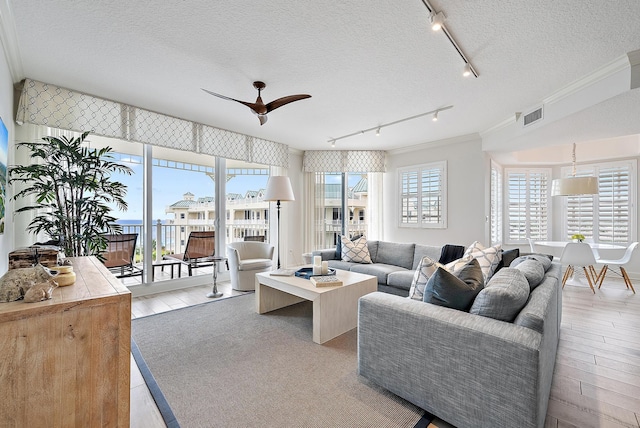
(279, 189)
(573, 185)
(355, 252)
(259, 108)
(40, 291)
(66, 275)
(15, 283)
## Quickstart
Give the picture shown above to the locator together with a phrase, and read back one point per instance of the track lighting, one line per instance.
(436, 20)
(437, 23)
(379, 127)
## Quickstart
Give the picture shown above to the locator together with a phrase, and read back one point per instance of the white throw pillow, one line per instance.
(356, 251)
(425, 269)
(488, 257)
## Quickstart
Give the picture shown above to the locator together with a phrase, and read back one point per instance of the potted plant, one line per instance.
(72, 189)
(577, 237)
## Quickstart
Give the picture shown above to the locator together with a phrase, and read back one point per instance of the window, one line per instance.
(610, 215)
(423, 196)
(496, 203)
(528, 204)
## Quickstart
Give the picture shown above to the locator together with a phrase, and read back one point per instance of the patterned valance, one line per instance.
(56, 107)
(344, 161)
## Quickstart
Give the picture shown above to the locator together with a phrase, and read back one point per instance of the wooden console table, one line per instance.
(65, 362)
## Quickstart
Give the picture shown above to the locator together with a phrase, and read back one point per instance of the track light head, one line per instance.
(467, 70)
(333, 143)
(435, 116)
(436, 20)
(378, 132)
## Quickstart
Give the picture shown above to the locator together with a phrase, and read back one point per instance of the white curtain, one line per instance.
(375, 206)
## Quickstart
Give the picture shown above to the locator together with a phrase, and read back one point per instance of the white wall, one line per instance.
(467, 193)
(6, 112)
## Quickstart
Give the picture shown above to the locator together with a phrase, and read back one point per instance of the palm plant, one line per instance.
(72, 188)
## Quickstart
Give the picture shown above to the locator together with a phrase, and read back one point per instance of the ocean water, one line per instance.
(135, 226)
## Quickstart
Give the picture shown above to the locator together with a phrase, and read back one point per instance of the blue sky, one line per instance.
(170, 184)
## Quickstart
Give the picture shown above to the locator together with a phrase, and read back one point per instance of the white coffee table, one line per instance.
(335, 309)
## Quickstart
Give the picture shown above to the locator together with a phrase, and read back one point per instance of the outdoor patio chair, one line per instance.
(118, 257)
(198, 252)
(259, 238)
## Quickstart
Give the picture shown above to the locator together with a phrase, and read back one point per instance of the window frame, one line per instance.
(419, 170)
(507, 201)
(593, 169)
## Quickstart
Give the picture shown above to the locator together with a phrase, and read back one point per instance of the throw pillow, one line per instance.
(356, 252)
(533, 271)
(456, 265)
(542, 258)
(503, 297)
(507, 257)
(488, 257)
(455, 291)
(339, 246)
(426, 268)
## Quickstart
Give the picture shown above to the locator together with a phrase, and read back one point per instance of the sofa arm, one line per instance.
(328, 254)
(466, 369)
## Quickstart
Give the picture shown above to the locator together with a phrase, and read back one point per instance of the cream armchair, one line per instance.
(245, 260)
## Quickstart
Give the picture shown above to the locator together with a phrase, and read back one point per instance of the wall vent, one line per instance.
(532, 117)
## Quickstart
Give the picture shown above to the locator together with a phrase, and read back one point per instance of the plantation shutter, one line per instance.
(422, 195)
(528, 204)
(609, 215)
(496, 203)
(614, 204)
(409, 197)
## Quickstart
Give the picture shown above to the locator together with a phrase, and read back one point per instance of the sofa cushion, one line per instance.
(339, 264)
(542, 258)
(455, 291)
(421, 276)
(488, 257)
(356, 252)
(421, 251)
(401, 279)
(533, 271)
(503, 296)
(398, 254)
(450, 253)
(538, 306)
(379, 270)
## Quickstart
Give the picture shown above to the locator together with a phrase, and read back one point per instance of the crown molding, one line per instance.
(10, 42)
(431, 144)
(609, 69)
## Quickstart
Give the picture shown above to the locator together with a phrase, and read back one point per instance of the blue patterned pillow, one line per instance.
(355, 252)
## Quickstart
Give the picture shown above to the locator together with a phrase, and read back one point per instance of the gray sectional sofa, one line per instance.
(469, 370)
(393, 263)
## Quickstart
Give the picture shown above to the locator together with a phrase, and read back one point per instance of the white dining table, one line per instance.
(593, 245)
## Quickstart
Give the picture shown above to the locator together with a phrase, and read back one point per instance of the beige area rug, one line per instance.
(221, 364)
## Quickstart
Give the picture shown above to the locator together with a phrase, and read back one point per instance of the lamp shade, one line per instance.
(279, 189)
(574, 186)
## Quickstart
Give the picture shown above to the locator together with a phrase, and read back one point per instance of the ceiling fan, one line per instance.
(259, 108)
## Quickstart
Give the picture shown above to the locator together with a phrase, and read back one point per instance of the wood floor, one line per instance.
(597, 375)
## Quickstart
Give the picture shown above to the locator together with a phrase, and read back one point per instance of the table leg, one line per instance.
(215, 293)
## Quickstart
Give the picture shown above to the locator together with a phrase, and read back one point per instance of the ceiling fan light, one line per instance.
(436, 20)
(466, 72)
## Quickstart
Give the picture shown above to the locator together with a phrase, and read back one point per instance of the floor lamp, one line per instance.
(279, 189)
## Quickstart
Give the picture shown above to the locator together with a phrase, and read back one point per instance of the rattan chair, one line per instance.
(118, 257)
(198, 252)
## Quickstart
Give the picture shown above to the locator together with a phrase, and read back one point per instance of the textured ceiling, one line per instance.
(364, 63)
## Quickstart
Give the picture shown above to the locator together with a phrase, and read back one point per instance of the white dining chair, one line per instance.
(620, 263)
(579, 254)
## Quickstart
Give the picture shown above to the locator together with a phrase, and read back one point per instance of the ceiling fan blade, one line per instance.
(252, 106)
(285, 100)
